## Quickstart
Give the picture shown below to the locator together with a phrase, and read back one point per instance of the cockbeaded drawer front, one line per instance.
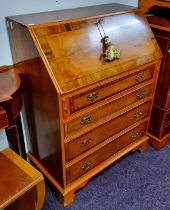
(115, 105)
(78, 102)
(105, 152)
(101, 133)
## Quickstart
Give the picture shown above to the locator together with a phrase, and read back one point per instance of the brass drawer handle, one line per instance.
(92, 96)
(86, 166)
(85, 120)
(138, 114)
(140, 93)
(140, 76)
(85, 142)
(135, 134)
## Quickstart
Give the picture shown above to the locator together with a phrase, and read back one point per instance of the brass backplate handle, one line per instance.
(140, 93)
(135, 134)
(85, 119)
(86, 165)
(92, 96)
(140, 76)
(85, 142)
(138, 114)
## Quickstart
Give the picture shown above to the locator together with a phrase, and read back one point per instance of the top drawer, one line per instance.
(80, 101)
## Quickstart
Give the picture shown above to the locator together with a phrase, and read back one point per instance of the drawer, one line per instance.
(80, 101)
(103, 132)
(105, 152)
(3, 118)
(113, 106)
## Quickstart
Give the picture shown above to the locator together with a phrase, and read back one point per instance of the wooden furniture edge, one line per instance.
(145, 5)
(158, 143)
(37, 177)
(160, 27)
(6, 67)
(25, 166)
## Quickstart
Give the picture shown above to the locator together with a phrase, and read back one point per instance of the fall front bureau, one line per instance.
(87, 100)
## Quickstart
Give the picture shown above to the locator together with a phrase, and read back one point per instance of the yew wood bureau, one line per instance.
(83, 111)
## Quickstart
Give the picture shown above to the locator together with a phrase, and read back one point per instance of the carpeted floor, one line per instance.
(139, 181)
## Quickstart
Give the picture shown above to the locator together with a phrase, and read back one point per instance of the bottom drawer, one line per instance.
(105, 152)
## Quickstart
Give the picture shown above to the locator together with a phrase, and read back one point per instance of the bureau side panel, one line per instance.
(40, 101)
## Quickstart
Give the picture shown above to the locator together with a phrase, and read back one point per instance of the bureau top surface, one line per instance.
(73, 51)
(75, 13)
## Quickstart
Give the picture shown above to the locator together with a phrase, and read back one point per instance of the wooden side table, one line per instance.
(10, 107)
(21, 185)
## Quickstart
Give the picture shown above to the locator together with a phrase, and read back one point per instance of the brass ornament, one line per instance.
(111, 53)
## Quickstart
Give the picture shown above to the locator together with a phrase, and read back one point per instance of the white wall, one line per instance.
(16, 7)
(3, 140)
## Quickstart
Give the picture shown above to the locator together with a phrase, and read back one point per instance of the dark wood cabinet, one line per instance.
(84, 112)
(160, 117)
(158, 17)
